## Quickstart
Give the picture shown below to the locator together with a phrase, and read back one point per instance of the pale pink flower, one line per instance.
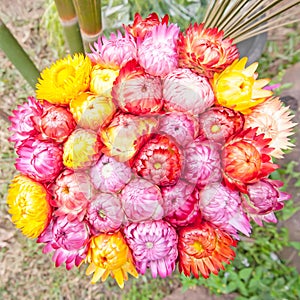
(105, 213)
(186, 91)
(41, 161)
(68, 240)
(222, 207)
(142, 201)
(154, 246)
(109, 175)
(114, 52)
(157, 53)
(72, 193)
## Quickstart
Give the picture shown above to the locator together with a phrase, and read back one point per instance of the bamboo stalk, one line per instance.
(69, 22)
(18, 56)
(90, 22)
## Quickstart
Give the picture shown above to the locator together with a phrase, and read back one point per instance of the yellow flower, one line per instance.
(28, 205)
(237, 88)
(102, 80)
(109, 255)
(64, 80)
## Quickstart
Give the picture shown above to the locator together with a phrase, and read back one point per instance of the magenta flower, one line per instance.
(72, 193)
(222, 207)
(41, 161)
(154, 246)
(109, 175)
(186, 91)
(68, 240)
(142, 201)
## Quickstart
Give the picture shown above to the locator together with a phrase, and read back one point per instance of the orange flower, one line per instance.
(203, 249)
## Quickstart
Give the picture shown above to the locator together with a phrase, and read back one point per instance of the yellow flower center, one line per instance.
(215, 128)
(157, 165)
(63, 73)
(149, 245)
(198, 246)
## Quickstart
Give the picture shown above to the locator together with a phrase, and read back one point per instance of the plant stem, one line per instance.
(69, 22)
(18, 56)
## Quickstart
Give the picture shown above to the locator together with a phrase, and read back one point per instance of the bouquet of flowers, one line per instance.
(152, 151)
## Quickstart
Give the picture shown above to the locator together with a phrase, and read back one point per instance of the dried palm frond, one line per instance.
(242, 19)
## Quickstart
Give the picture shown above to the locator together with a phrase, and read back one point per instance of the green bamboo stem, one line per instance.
(18, 56)
(69, 22)
(90, 22)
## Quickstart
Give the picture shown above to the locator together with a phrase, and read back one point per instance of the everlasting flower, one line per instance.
(23, 121)
(82, 149)
(41, 161)
(91, 111)
(109, 255)
(188, 92)
(68, 240)
(72, 193)
(64, 80)
(222, 207)
(262, 199)
(109, 175)
(246, 159)
(203, 249)
(154, 246)
(159, 161)
(105, 213)
(157, 52)
(113, 52)
(28, 203)
(137, 92)
(275, 121)
(237, 88)
(142, 201)
(205, 51)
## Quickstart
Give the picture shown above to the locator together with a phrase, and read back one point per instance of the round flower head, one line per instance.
(91, 111)
(157, 52)
(274, 120)
(142, 201)
(186, 91)
(105, 213)
(222, 207)
(41, 161)
(114, 52)
(24, 121)
(68, 239)
(82, 149)
(246, 159)
(109, 175)
(203, 249)
(64, 80)
(137, 92)
(237, 88)
(159, 161)
(28, 203)
(205, 51)
(72, 193)
(154, 246)
(56, 123)
(109, 255)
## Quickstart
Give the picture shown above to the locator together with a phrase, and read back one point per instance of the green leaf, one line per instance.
(295, 245)
(232, 286)
(245, 274)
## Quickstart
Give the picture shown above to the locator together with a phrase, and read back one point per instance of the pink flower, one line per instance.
(264, 197)
(183, 127)
(109, 175)
(222, 207)
(137, 92)
(72, 193)
(23, 121)
(114, 52)
(105, 213)
(68, 240)
(157, 53)
(154, 246)
(142, 201)
(41, 161)
(186, 91)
